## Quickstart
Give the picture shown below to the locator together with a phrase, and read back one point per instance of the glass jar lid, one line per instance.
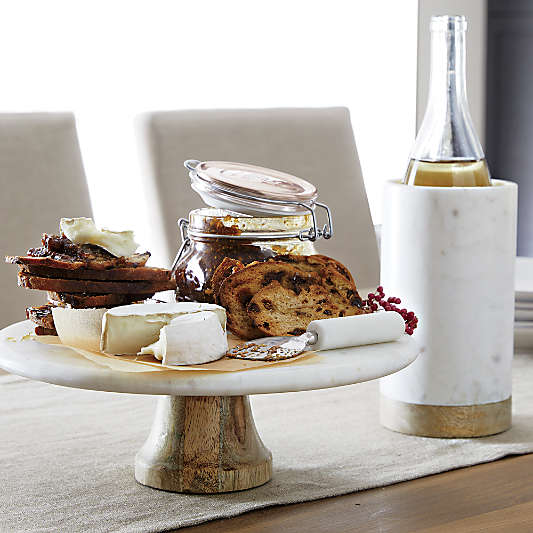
(250, 189)
(243, 190)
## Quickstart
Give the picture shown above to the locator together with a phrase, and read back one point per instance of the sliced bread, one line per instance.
(276, 310)
(301, 283)
(224, 270)
(239, 288)
(93, 287)
(141, 273)
(41, 316)
(314, 263)
(85, 301)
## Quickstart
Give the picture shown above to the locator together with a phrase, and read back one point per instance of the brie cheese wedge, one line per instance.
(83, 230)
(190, 339)
(126, 329)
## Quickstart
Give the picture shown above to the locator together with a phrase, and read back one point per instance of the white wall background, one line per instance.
(109, 60)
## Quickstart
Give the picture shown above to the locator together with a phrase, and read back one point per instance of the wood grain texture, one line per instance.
(494, 497)
(446, 421)
(203, 444)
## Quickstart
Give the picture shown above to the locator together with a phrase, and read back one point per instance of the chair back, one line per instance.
(42, 180)
(316, 144)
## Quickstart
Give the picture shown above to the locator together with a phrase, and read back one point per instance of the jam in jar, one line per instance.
(210, 235)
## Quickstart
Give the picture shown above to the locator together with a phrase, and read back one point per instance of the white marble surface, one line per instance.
(449, 253)
(333, 368)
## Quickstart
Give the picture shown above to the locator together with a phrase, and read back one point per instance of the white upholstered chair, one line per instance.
(41, 179)
(316, 144)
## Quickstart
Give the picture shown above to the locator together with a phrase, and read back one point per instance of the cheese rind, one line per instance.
(190, 339)
(126, 329)
(83, 230)
(81, 328)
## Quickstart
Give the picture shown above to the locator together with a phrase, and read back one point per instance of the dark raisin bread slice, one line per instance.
(276, 310)
(228, 267)
(340, 289)
(84, 301)
(315, 263)
(59, 252)
(41, 315)
(39, 330)
(239, 288)
(142, 273)
(93, 287)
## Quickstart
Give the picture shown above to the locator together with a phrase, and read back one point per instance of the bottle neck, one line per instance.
(447, 85)
(447, 132)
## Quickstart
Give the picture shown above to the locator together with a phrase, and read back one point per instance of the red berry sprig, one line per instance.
(378, 299)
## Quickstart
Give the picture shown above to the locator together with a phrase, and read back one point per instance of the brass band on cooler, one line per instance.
(446, 421)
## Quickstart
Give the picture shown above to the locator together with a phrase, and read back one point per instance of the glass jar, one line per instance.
(210, 235)
(255, 213)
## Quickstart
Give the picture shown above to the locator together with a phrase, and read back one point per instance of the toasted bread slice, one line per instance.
(39, 330)
(225, 269)
(93, 287)
(335, 277)
(59, 252)
(339, 288)
(276, 310)
(239, 288)
(314, 263)
(67, 263)
(41, 315)
(332, 285)
(113, 274)
(85, 301)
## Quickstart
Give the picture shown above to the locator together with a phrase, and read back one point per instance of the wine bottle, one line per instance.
(447, 151)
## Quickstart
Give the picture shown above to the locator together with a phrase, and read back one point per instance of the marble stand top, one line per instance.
(332, 368)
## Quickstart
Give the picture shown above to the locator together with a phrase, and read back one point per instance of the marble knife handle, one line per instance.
(356, 330)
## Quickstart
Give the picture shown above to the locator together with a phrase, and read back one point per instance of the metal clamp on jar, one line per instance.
(255, 213)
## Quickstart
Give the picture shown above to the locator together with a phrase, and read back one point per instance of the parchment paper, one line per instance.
(147, 363)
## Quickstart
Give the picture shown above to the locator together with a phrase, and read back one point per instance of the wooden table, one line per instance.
(493, 497)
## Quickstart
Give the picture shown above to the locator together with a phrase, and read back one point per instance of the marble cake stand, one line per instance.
(203, 438)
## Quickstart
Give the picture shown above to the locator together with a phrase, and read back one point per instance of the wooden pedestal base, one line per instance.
(203, 444)
(446, 421)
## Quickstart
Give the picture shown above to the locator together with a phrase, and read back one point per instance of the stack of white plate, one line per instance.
(523, 325)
